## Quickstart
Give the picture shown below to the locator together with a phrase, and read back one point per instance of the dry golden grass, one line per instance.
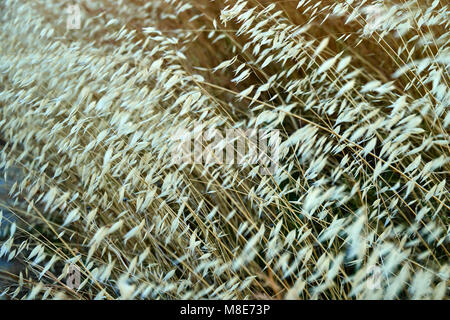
(357, 89)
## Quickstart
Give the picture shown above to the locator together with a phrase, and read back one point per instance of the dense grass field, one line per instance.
(202, 149)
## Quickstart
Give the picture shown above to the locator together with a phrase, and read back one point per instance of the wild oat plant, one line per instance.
(356, 207)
